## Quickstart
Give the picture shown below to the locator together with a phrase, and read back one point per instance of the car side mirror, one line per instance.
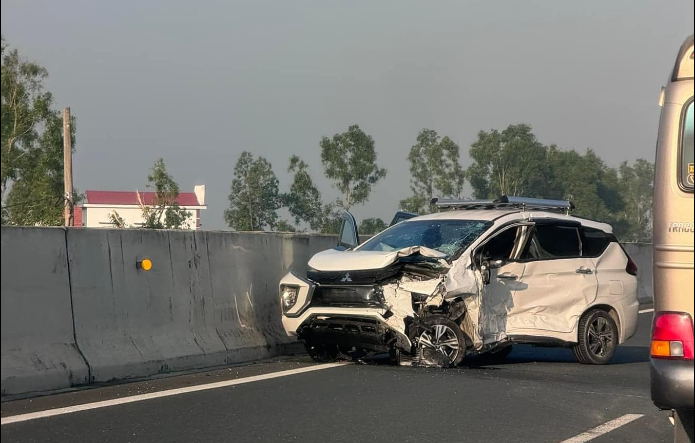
(486, 272)
(495, 264)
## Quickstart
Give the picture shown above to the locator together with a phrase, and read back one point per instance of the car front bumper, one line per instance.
(365, 328)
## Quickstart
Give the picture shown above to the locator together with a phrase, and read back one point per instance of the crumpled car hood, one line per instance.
(334, 260)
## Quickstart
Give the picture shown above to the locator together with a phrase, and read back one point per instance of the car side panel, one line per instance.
(617, 288)
(552, 296)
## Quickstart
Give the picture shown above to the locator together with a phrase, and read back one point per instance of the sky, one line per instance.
(198, 82)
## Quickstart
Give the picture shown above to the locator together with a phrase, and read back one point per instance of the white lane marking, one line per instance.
(644, 311)
(160, 394)
(603, 429)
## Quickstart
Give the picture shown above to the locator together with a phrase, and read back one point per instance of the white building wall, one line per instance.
(98, 216)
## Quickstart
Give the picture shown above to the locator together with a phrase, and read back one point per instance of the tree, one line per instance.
(349, 159)
(371, 226)
(31, 173)
(585, 180)
(116, 220)
(283, 226)
(636, 186)
(25, 105)
(165, 212)
(508, 163)
(36, 195)
(304, 201)
(254, 197)
(434, 171)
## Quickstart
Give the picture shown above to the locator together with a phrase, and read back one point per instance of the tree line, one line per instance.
(507, 162)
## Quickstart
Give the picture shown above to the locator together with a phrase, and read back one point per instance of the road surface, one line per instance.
(538, 395)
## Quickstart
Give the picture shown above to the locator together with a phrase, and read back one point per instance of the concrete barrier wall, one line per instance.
(76, 310)
(132, 323)
(210, 298)
(38, 345)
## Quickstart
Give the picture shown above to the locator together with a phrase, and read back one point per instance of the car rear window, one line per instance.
(594, 242)
(553, 241)
(687, 168)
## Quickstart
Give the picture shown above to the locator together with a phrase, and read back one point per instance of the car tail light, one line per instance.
(631, 267)
(672, 336)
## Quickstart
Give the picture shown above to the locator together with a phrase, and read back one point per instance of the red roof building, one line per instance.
(99, 207)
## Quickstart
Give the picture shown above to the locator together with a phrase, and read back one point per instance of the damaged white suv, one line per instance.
(477, 277)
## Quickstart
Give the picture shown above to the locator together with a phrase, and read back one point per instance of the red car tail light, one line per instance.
(631, 267)
(672, 336)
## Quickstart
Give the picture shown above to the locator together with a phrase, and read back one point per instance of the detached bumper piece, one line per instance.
(362, 333)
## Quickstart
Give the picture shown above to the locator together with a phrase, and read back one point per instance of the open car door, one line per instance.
(400, 216)
(348, 237)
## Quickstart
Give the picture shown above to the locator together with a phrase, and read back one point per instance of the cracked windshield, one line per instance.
(445, 236)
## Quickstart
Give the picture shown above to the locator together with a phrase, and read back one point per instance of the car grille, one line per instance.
(347, 296)
(361, 277)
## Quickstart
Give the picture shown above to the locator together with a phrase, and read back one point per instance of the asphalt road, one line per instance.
(538, 395)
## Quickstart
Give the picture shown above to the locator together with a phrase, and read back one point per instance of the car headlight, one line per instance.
(288, 297)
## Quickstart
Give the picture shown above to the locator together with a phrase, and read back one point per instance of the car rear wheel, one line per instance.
(597, 338)
(440, 342)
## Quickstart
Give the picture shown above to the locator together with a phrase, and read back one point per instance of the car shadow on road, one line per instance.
(530, 354)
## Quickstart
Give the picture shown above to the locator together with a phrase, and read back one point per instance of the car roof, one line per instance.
(505, 215)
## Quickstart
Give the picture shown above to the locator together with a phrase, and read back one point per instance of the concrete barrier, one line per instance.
(210, 298)
(135, 323)
(38, 346)
(76, 309)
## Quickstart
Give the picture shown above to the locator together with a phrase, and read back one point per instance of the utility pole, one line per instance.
(67, 169)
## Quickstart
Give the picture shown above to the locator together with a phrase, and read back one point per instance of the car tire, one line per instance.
(433, 324)
(597, 338)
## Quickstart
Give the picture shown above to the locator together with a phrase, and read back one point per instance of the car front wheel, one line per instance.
(597, 338)
(440, 342)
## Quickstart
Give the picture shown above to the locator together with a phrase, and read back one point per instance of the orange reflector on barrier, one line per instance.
(145, 264)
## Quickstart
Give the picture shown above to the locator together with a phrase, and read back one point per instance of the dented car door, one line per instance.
(557, 283)
(501, 274)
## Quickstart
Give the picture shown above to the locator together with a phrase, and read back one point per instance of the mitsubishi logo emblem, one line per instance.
(347, 278)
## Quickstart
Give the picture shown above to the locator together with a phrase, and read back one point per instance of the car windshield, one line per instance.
(446, 236)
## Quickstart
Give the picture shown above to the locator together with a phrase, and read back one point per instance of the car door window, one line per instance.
(400, 216)
(553, 241)
(500, 247)
(348, 232)
(594, 242)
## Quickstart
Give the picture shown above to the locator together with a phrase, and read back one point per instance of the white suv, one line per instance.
(474, 278)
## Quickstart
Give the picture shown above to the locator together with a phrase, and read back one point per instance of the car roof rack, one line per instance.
(506, 202)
